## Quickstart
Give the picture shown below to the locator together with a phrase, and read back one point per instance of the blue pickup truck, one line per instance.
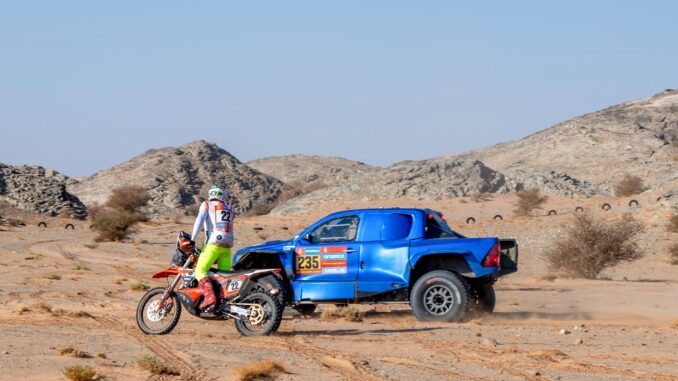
(386, 256)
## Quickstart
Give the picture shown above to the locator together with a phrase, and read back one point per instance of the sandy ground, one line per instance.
(620, 328)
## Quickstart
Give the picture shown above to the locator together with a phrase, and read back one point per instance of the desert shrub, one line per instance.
(528, 200)
(673, 223)
(156, 366)
(260, 370)
(139, 287)
(53, 277)
(349, 313)
(81, 373)
(589, 246)
(74, 352)
(94, 210)
(130, 198)
(114, 224)
(628, 186)
(673, 254)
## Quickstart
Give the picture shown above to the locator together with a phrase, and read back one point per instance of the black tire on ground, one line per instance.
(69, 226)
(606, 206)
(273, 286)
(498, 217)
(579, 209)
(483, 298)
(257, 228)
(440, 296)
(470, 219)
(341, 305)
(633, 202)
(552, 212)
(273, 310)
(171, 322)
(42, 224)
(305, 309)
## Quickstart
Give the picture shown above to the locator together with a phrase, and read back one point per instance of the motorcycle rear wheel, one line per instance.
(272, 315)
(154, 322)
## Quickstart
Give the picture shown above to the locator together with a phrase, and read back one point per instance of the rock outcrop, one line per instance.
(179, 177)
(38, 190)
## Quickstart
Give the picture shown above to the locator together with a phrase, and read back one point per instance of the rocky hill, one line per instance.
(178, 177)
(583, 156)
(38, 190)
(305, 172)
(637, 137)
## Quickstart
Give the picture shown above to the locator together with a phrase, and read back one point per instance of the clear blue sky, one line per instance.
(88, 84)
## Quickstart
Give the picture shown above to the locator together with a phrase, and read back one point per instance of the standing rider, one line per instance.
(216, 216)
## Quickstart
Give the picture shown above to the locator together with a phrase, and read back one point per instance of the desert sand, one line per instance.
(60, 289)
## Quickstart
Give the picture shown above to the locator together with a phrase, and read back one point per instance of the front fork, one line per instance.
(170, 288)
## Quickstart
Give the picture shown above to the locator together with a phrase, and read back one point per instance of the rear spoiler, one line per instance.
(508, 260)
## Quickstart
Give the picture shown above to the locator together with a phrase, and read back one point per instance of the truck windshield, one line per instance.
(436, 227)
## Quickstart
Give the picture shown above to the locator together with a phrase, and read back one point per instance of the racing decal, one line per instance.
(222, 215)
(232, 285)
(321, 260)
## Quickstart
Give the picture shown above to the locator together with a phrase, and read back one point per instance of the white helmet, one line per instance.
(219, 193)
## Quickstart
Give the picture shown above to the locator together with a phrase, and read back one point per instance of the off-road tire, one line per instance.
(305, 309)
(606, 206)
(271, 326)
(468, 220)
(270, 282)
(579, 209)
(42, 224)
(425, 297)
(140, 311)
(69, 226)
(633, 202)
(552, 212)
(483, 298)
(498, 217)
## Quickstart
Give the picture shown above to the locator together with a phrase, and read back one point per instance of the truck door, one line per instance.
(384, 256)
(326, 261)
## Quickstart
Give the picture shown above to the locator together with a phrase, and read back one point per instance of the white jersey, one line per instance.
(217, 219)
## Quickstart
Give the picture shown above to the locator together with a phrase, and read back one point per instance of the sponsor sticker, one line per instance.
(321, 260)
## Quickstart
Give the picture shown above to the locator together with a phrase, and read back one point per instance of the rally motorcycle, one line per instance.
(251, 297)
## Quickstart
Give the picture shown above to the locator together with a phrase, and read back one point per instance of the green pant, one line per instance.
(212, 253)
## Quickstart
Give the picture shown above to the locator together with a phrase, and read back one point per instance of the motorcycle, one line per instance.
(247, 296)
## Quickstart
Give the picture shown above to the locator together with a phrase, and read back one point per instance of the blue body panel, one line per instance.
(387, 246)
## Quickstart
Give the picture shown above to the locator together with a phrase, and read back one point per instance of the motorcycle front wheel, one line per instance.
(266, 315)
(155, 320)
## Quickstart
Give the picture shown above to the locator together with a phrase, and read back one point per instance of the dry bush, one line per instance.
(591, 246)
(139, 287)
(75, 314)
(130, 198)
(91, 245)
(156, 366)
(53, 277)
(66, 213)
(547, 278)
(673, 254)
(114, 225)
(81, 373)
(94, 210)
(81, 267)
(629, 185)
(673, 223)
(350, 313)
(74, 352)
(528, 200)
(260, 370)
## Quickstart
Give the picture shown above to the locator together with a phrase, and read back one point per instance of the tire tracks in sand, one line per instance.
(165, 352)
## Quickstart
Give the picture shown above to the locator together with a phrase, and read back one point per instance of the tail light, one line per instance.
(492, 258)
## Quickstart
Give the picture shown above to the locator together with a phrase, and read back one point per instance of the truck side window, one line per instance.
(340, 229)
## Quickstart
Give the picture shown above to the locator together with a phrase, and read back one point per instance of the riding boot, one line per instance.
(208, 292)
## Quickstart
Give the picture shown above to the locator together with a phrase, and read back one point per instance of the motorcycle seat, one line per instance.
(229, 273)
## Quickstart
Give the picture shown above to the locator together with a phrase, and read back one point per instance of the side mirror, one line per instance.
(307, 238)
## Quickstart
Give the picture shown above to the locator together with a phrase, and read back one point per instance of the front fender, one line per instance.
(166, 273)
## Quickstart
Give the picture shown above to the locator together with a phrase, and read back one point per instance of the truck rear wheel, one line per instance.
(439, 296)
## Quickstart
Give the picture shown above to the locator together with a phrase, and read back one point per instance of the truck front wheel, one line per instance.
(439, 296)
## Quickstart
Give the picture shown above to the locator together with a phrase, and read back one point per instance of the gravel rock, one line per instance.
(38, 190)
(564, 332)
